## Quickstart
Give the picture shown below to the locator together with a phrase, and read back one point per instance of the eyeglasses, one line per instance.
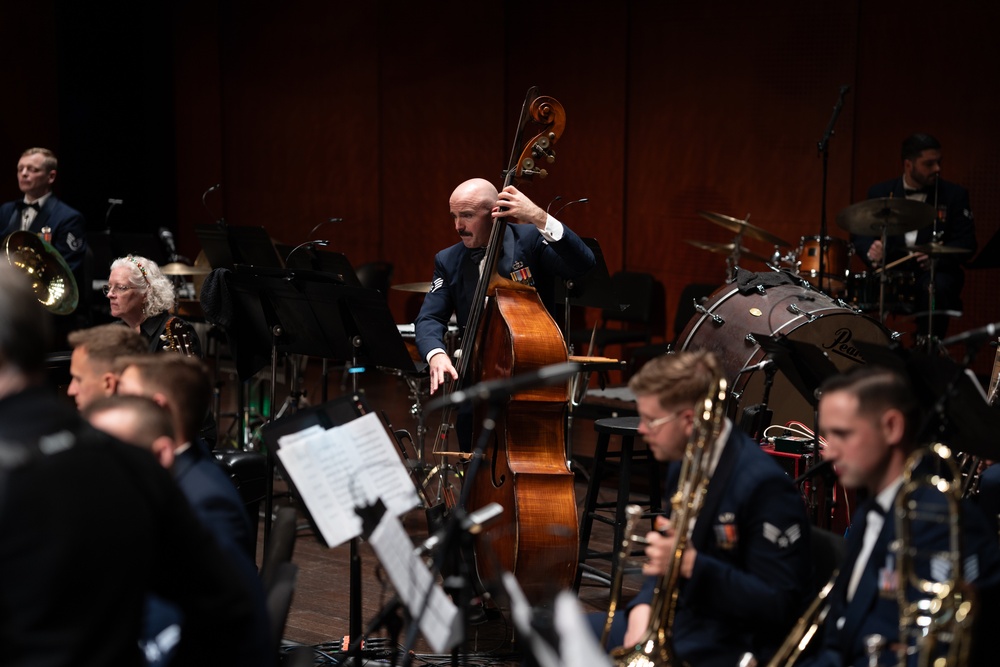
(654, 424)
(120, 289)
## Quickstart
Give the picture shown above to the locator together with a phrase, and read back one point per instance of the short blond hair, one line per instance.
(678, 378)
(50, 162)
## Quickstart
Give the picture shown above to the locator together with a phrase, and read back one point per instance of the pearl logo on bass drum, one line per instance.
(841, 345)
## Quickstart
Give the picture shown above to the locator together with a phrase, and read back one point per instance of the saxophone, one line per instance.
(970, 465)
(655, 649)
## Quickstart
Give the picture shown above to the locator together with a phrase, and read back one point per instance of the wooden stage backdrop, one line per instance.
(373, 112)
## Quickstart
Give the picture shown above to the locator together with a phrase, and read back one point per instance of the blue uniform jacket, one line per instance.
(873, 609)
(69, 230)
(753, 570)
(523, 247)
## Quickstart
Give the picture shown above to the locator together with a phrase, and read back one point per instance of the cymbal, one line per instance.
(726, 249)
(940, 249)
(413, 287)
(179, 269)
(896, 214)
(743, 227)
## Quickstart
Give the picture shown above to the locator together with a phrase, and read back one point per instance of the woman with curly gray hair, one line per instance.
(142, 297)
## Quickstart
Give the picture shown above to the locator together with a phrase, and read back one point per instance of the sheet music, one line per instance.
(439, 618)
(344, 467)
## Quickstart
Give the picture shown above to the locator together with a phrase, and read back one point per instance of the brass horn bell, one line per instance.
(50, 275)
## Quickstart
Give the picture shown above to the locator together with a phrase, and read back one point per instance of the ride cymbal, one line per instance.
(726, 249)
(743, 227)
(940, 249)
(896, 214)
(413, 287)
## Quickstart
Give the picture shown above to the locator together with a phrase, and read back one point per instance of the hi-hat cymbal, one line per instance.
(413, 287)
(179, 269)
(743, 227)
(940, 249)
(896, 214)
(726, 249)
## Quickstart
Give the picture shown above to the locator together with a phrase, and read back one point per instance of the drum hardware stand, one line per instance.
(824, 151)
(756, 418)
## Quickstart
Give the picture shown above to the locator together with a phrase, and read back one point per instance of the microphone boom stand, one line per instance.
(823, 147)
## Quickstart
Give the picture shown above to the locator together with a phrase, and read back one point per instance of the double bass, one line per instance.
(524, 467)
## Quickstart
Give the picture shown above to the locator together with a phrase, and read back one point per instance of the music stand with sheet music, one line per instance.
(254, 246)
(332, 413)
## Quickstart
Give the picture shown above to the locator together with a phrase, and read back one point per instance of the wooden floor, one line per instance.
(319, 616)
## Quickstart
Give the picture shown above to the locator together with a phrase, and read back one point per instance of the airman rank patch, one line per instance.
(782, 539)
(437, 284)
(73, 242)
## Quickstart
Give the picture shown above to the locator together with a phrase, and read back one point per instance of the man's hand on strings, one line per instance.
(440, 367)
(519, 207)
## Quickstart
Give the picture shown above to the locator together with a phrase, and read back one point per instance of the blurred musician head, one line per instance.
(471, 205)
(666, 389)
(868, 417)
(135, 420)
(94, 353)
(138, 290)
(176, 382)
(25, 330)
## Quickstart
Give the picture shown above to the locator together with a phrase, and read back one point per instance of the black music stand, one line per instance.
(214, 240)
(334, 263)
(253, 245)
(332, 413)
(312, 314)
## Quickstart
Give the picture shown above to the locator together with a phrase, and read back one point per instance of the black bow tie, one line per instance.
(915, 191)
(21, 205)
(477, 254)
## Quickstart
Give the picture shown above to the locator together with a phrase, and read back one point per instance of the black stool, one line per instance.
(627, 428)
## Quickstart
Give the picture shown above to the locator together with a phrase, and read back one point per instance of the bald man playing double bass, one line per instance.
(538, 251)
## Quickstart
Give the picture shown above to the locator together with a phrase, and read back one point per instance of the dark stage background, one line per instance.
(374, 111)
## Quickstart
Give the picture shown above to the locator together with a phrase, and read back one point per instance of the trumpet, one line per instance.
(655, 648)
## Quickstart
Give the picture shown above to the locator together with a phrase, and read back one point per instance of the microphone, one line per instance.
(493, 390)
(211, 189)
(974, 335)
(473, 524)
(313, 230)
(575, 201)
(322, 243)
(107, 216)
(756, 367)
(554, 200)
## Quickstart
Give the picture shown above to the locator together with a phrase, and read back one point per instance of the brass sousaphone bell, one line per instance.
(50, 275)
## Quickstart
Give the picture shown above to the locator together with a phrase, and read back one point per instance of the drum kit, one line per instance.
(806, 305)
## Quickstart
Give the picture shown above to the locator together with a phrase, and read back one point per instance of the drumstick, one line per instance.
(897, 262)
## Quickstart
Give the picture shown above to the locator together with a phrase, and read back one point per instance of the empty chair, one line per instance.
(248, 471)
(279, 598)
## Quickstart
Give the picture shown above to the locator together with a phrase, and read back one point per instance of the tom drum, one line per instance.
(836, 263)
(731, 319)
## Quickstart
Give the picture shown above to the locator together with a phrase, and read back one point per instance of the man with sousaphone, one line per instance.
(745, 570)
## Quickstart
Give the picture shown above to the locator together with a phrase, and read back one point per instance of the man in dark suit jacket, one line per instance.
(953, 227)
(869, 419)
(746, 568)
(91, 526)
(36, 172)
(537, 252)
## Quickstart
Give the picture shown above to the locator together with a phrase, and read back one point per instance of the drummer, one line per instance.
(921, 181)
(142, 297)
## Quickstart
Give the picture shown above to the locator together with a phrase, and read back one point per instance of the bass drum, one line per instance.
(801, 314)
